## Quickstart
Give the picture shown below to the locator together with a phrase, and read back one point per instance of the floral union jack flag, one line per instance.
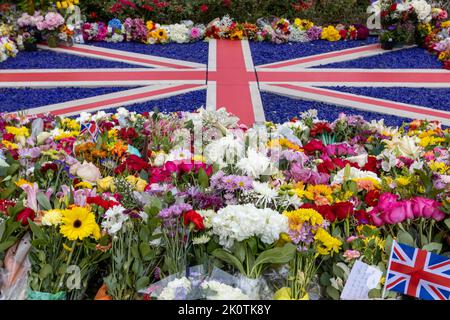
(418, 273)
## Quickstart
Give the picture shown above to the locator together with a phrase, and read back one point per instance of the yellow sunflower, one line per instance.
(79, 223)
(161, 34)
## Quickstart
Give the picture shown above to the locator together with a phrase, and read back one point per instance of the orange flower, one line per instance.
(119, 148)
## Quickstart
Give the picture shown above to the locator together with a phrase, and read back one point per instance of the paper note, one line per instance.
(361, 280)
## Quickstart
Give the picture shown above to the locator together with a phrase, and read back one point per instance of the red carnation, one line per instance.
(343, 33)
(193, 217)
(362, 216)
(343, 209)
(24, 215)
(204, 8)
(133, 163)
(320, 128)
(49, 166)
(8, 136)
(326, 210)
(393, 7)
(314, 145)
(326, 167)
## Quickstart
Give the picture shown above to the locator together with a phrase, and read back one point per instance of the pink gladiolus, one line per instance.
(31, 191)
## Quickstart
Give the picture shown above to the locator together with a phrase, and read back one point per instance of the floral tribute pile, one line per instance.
(196, 206)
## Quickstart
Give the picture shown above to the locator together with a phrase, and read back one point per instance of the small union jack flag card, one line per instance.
(418, 273)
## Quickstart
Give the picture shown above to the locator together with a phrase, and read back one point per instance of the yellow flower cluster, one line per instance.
(52, 217)
(303, 24)
(10, 145)
(403, 181)
(331, 34)
(66, 4)
(445, 24)
(320, 193)
(20, 131)
(439, 167)
(138, 183)
(158, 35)
(297, 217)
(444, 55)
(106, 184)
(67, 134)
(283, 142)
(70, 124)
(327, 243)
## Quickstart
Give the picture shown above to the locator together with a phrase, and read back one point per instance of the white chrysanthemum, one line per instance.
(179, 33)
(114, 219)
(52, 218)
(215, 290)
(354, 173)
(203, 239)
(224, 151)
(265, 193)
(422, 9)
(176, 289)
(255, 164)
(240, 222)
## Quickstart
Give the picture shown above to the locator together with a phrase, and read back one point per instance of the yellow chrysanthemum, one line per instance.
(445, 24)
(150, 25)
(319, 192)
(79, 223)
(328, 244)
(21, 131)
(10, 145)
(430, 141)
(71, 124)
(403, 181)
(297, 217)
(67, 134)
(52, 218)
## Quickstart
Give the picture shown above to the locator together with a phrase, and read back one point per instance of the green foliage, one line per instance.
(321, 11)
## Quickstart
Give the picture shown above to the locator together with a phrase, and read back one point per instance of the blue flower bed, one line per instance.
(279, 109)
(190, 101)
(194, 52)
(25, 98)
(438, 98)
(45, 59)
(413, 58)
(263, 52)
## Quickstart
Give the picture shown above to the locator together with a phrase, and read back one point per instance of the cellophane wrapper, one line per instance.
(14, 274)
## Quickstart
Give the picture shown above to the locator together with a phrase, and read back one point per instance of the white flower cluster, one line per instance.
(255, 164)
(422, 9)
(224, 151)
(240, 222)
(114, 219)
(215, 290)
(354, 174)
(178, 33)
(7, 49)
(176, 289)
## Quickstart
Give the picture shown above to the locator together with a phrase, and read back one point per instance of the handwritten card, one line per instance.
(361, 280)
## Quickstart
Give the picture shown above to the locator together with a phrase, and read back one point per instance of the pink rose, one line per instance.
(426, 208)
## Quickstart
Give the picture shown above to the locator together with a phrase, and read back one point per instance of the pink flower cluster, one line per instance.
(52, 21)
(391, 211)
(136, 29)
(30, 21)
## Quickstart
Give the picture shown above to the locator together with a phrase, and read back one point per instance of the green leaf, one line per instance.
(239, 251)
(388, 245)
(5, 245)
(405, 238)
(338, 272)
(2, 229)
(447, 223)
(433, 247)
(278, 255)
(325, 279)
(374, 294)
(37, 231)
(45, 271)
(142, 283)
(203, 179)
(43, 201)
(333, 293)
(145, 250)
(227, 257)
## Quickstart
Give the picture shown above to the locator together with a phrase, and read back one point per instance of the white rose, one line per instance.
(88, 172)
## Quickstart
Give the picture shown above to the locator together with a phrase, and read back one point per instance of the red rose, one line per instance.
(326, 166)
(49, 166)
(371, 165)
(393, 7)
(193, 217)
(363, 217)
(343, 34)
(314, 145)
(371, 198)
(204, 8)
(133, 163)
(24, 215)
(343, 209)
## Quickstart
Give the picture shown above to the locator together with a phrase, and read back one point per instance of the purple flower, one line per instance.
(314, 33)
(175, 210)
(307, 175)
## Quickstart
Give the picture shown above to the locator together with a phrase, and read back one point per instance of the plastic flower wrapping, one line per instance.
(283, 210)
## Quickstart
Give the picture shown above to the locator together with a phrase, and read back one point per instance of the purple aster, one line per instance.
(175, 210)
